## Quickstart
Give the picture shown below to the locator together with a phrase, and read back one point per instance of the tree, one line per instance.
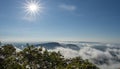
(0, 43)
(8, 50)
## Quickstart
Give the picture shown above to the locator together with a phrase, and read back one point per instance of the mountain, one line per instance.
(102, 48)
(72, 46)
(53, 45)
(49, 45)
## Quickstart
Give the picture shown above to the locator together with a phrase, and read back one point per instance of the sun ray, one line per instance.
(32, 8)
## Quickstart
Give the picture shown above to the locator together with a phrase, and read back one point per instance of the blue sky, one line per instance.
(61, 20)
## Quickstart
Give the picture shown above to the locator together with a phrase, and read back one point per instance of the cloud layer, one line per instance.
(68, 7)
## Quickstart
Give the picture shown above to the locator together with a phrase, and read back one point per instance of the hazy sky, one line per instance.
(63, 20)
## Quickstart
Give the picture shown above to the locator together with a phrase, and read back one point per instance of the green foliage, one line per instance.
(7, 50)
(36, 58)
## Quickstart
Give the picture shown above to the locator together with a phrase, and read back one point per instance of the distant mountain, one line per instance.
(53, 45)
(49, 45)
(72, 46)
(102, 48)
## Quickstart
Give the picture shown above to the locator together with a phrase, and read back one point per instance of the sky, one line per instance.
(61, 20)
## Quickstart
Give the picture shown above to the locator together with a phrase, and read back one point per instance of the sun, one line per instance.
(33, 7)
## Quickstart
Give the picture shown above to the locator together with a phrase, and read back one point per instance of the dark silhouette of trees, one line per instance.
(0, 43)
(36, 58)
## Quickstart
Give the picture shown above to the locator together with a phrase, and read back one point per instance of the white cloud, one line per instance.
(113, 66)
(68, 7)
(66, 52)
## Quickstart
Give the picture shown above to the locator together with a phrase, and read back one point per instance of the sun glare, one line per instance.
(33, 7)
